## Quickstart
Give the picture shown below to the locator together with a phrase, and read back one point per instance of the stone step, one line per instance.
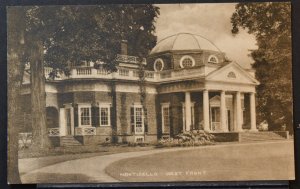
(69, 141)
(260, 136)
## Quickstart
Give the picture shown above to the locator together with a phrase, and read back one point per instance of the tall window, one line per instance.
(104, 115)
(85, 116)
(165, 118)
(137, 121)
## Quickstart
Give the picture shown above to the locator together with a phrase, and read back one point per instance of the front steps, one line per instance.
(69, 141)
(259, 136)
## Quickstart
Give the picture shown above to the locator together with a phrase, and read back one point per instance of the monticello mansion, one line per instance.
(189, 85)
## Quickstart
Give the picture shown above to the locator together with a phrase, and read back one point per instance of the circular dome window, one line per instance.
(213, 59)
(187, 62)
(158, 65)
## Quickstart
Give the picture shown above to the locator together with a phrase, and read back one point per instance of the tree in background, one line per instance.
(271, 24)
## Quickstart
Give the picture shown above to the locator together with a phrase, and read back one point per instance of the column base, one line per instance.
(253, 130)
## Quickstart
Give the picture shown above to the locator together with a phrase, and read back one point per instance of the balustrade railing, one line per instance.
(82, 131)
(123, 72)
(132, 74)
(130, 59)
(84, 71)
(52, 132)
(47, 71)
(102, 71)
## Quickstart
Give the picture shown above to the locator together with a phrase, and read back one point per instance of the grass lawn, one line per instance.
(30, 160)
(269, 161)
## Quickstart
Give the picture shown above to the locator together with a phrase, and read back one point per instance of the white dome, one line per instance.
(184, 41)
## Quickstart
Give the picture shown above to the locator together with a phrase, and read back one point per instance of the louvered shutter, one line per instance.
(146, 120)
(95, 116)
(112, 115)
(76, 115)
(132, 119)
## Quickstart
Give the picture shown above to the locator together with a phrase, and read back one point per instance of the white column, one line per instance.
(188, 113)
(223, 112)
(72, 121)
(205, 111)
(62, 122)
(252, 112)
(238, 111)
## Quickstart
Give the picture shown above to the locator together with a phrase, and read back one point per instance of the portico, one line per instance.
(216, 116)
(221, 101)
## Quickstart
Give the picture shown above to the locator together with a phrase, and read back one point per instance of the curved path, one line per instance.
(93, 169)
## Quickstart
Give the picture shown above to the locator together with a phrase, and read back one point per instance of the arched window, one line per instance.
(158, 65)
(187, 62)
(213, 59)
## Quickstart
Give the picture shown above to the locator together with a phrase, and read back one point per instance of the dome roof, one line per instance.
(184, 41)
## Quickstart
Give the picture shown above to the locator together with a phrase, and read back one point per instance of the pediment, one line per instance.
(232, 73)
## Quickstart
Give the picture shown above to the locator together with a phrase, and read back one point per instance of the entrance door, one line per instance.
(215, 118)
(68, 121)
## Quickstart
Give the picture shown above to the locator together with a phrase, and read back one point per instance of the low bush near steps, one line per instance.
(188, 138)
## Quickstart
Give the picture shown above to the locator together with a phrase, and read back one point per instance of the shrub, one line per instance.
(188, 138)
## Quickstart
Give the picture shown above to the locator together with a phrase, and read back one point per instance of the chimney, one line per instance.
(124, 47)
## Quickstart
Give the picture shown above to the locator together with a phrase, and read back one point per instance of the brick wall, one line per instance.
(124, 102)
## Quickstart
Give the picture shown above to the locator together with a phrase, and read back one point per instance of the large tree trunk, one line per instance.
(114, 112)
(38, 96)
(14, 115)
(15, 44)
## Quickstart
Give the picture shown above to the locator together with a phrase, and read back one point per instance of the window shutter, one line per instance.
(95, 116)
(146, 120)
(76, 115)
(132, 119)
(111, 114)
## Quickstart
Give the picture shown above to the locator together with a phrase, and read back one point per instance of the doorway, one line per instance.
(68, 121)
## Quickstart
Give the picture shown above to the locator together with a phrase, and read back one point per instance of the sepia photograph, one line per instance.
(118, 93)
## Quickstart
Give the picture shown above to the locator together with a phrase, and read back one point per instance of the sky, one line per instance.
(210, 20)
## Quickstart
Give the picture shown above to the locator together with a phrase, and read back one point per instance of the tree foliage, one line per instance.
(91, 33)
(271, 24)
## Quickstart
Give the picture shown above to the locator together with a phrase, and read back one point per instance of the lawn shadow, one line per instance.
(56, 178)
